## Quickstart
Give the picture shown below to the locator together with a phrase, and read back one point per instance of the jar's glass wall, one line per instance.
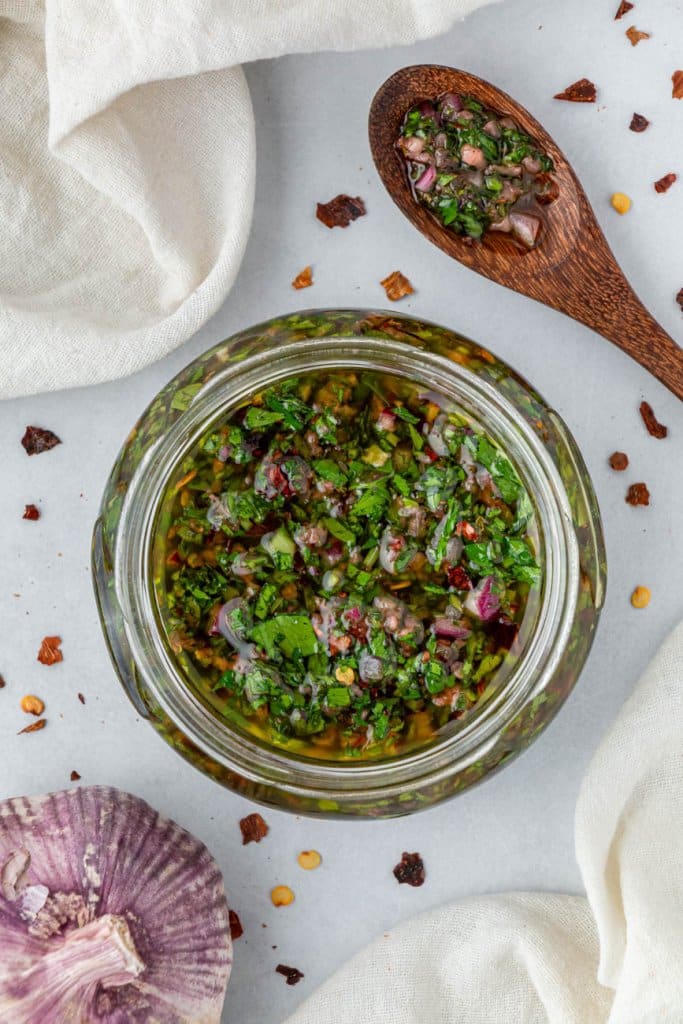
(185, 406)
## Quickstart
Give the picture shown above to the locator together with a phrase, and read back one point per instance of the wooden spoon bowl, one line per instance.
(573, 269)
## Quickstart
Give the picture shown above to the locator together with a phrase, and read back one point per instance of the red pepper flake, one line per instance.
(467, 531)
(618, 461)
(3, 684)
(654, 427)
(74, 776)
(665, 183)
(679, 299)
(292, 974)
(31, 512)
(34, 726)
(340, 211)
(638, 494)
(397, 286)
(303, 279)
(635, 35)
(410, 870)
(638, 123)
(253, 828)
(37, 440)
(677, 80)
(458, 578)
(624, 8)
(582, 91)
(236, 929)
(81, 698)
(49, 653)
(504, 632)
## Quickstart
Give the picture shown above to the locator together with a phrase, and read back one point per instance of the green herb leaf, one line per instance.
(338, 697)
(372, 503)
(287, 634)
(327, 469)
(339, 530)
(258, 419)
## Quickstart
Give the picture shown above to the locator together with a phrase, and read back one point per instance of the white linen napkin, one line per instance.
(614, 957)
(127, 164)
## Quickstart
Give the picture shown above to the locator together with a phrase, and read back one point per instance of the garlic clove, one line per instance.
(108, 912)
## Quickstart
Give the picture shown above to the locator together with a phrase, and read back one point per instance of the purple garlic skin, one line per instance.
(109, 913)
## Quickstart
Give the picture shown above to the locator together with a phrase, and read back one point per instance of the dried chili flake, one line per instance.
(292, 974)
(397, 286)
(679, 299)
(49, 653)
(635, 35)
(654, 427)
(504, 632)
(34, 726)
(618, 461)
(303, 279)
(253, 829)
(37, 440)
(2, 683)
(458, 578)
(236, 929)
(638, 123)
(638, 494)
(340, 211)
(81, 698)
(677, 85)
(623, 8)
(410, 870)
(31, 512)
(582, 91)
(74, 776)
(665, 183)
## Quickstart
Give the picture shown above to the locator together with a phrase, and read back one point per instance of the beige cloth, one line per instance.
(613, 958)
(127, 165)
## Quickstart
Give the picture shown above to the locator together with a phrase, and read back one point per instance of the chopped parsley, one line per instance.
(346, 565)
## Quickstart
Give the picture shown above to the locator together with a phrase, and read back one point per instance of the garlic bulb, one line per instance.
(109, 913)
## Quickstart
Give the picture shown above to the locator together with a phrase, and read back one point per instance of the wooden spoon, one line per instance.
(572, 270)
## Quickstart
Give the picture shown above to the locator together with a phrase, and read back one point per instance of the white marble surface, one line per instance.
(515, 831)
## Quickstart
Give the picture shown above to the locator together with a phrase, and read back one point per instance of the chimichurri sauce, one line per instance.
(344, 563)
(476, 170)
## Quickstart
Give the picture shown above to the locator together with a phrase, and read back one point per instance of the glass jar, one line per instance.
(505, 406)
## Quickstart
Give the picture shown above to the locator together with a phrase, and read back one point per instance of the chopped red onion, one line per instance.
(426, 180)
(525, 227)
(370, 668)
(492, 128)
(531, 164)
(483, 600)
(473, 157)
(449, 629)
(506, 170)
(435, 435)
(223, 625)
(386, 421)
(389, 550)
(501, 225)
(412, 145)
(450, 105)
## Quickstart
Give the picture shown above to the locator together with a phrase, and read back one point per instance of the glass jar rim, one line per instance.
(258, 761)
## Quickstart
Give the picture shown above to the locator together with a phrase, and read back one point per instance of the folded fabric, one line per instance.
(127, 165)
(615, 956)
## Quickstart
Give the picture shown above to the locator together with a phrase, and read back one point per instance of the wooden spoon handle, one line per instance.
(600, 297)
